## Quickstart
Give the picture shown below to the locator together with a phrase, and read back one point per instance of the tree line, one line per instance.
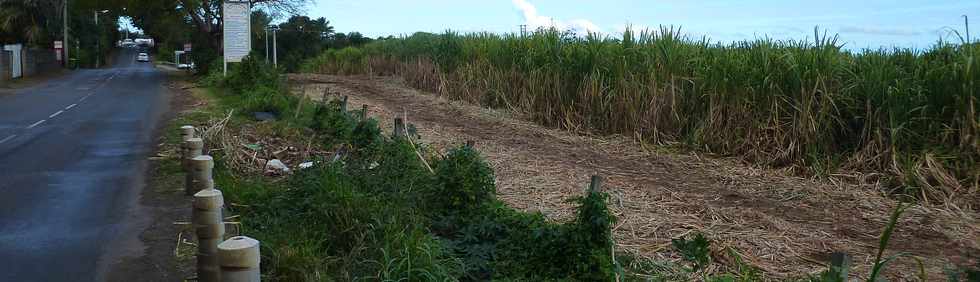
(172, 23)
(199, 22)
(38, 23)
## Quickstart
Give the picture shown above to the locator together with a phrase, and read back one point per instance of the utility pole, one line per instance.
(266, 45)
(523, 30)
(275, 53)
(64, 43)
(97, 39)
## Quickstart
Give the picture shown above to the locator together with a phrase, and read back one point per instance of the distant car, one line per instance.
(143, 57)
(187, 66)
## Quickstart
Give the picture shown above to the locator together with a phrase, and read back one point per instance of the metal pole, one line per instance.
(275, 53)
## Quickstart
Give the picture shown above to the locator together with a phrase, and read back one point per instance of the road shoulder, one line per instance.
(11, 86)
(163, 201)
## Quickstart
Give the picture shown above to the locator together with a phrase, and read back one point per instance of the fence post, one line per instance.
(399, 128)
(239, 258)
(194, 147)
(343, 105)
(210, 229)
(840, 265)
(596, 184)
(364, 110)
(201, 175)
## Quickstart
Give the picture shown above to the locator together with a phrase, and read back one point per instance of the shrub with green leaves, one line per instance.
(336, 125)
(251, 72)
(266, 99)
(464, 182)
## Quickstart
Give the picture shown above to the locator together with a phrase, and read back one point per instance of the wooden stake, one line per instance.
(840, 265)
(399, 128)
(596, 184)
(343, 104)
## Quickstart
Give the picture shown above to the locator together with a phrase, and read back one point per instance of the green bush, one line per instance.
(266, 99)
(464, 182)
(336, 125)
(250, 73)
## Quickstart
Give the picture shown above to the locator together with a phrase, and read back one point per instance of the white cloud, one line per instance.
(534, 20)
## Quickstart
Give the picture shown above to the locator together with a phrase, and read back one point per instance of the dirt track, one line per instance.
(784, 225)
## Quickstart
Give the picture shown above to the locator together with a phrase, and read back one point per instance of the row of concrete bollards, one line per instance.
(234, 260)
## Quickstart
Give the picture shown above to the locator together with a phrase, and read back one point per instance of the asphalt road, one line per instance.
(72, 161)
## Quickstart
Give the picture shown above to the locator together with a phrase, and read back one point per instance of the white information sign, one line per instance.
(237, 30)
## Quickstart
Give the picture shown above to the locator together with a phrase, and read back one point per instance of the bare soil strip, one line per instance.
(784, 225)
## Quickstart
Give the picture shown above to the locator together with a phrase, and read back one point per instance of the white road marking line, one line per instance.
(70, 106)
(83, 98)
(37, 123)
(55, 114)
(8, 138)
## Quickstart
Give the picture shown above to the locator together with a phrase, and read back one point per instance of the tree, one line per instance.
(197, 21)
(342, 40)
(300, 38)
(260, 22)
(206, 16)
(28, 21)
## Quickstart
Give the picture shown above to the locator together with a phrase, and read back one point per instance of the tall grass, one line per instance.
(808, 105)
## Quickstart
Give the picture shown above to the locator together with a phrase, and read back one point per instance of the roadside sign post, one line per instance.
(58, 48)
(237, 31)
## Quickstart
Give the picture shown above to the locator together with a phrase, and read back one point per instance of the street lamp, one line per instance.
(98, 39)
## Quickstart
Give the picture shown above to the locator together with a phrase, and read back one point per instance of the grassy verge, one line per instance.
(386, 207)
(907, 114)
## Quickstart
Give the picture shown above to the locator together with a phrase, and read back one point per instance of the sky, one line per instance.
(859, 23)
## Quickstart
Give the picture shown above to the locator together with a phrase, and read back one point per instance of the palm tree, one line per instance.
(27, 20)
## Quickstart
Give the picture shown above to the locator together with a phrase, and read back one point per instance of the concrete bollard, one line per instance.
(193, 147)
(186, 132)
(210, 229)
(201, 177)
(239, 258)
